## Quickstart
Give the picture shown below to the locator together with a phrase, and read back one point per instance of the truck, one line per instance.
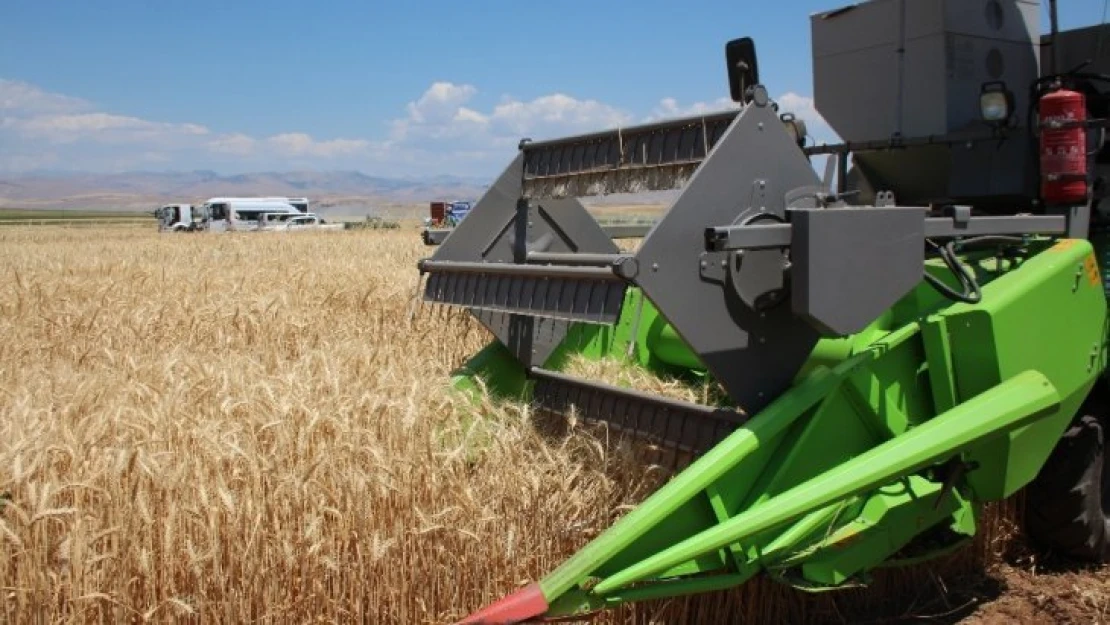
(446, 214)
(176, 218)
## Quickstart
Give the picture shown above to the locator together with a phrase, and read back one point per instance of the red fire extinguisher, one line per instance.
(1063, 149)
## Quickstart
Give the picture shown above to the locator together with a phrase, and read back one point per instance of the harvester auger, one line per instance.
(889, 365)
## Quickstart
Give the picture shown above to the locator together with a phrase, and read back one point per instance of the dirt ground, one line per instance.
(1020, 589)
(1023, 594)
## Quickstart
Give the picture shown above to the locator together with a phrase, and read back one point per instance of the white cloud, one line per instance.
(32, 120)
(237, 144)
(449, 128)
(804, 109)
(801, 106)
(466, 115)
(446, 129)
(669, 107)
(102, 127)
(18, 161)
(440, 102)
(555, 114)
(300, 144)
(19, 97)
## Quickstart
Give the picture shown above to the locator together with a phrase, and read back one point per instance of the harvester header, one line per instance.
(888, 339)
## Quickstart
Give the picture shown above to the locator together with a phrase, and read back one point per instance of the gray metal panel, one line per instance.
(916, 68)
(531, 339)
(432, 236)
(888, 170)
(490, 216)
(852, 264)
(856, 26)
(922, 113)
(552, 225)
(490, 233)
(729, 238)
(996, 170)
(637, 231)
(1079, 45)
(1014, 20)
(850, 68)
(753, 355)
(941, 227)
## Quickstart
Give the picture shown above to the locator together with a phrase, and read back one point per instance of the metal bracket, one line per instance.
(757, 201)
(758, 277)
(713, 266)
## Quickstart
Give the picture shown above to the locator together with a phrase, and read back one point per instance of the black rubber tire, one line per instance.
(1068, 504)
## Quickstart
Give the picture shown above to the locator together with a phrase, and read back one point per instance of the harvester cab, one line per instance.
(917, 332)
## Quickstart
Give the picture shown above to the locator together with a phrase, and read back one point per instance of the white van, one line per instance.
(299, 203)
(241, 213)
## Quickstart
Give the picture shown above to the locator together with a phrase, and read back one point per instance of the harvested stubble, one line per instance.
(249, 428)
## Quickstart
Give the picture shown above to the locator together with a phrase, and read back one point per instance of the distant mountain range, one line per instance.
(146, 190)
(332, 193)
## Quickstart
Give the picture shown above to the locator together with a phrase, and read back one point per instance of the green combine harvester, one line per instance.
(920, 332)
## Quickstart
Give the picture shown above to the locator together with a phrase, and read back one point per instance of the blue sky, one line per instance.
(411, 88)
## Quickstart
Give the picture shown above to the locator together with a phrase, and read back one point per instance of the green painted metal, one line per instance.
(843, 472)
(889, 520)
(899, 431)
(1013, 403)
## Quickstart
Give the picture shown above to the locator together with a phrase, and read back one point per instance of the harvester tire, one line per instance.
(1068, 504)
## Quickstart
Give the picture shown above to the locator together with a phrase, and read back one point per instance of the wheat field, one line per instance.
(252, 428)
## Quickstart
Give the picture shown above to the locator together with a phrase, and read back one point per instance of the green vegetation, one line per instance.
(7, 214)
(372, 223)
(78, 217)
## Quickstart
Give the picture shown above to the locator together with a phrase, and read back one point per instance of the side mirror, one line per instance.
(743, 71)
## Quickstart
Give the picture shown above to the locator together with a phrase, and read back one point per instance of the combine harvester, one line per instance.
(899, 343)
